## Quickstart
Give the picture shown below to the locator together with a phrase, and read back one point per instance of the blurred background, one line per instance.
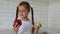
(45, 11)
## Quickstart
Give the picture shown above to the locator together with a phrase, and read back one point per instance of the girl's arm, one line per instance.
(35, 30)
(32, 30)
(15, 29)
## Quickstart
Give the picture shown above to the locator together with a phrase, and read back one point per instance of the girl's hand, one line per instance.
(37, 29)
(15, 28)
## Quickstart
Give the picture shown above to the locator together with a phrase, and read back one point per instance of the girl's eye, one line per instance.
(24, 11)
(19, 11)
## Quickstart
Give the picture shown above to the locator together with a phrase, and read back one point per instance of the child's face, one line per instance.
(23, 12)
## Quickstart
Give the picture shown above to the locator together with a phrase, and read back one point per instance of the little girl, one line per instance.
(23, 9)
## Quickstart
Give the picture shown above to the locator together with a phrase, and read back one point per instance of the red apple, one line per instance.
(18, 22)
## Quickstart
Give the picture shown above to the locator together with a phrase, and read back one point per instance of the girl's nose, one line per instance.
(21, 12)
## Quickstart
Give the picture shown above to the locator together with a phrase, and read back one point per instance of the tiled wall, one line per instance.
(54, 15)
(8, 7)
(45, 11)
(7, 13)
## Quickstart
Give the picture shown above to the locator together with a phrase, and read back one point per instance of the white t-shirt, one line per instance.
(26, 27)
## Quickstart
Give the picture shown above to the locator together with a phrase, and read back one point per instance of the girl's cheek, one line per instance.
(23, 13)
(26, 13)
(19, 13)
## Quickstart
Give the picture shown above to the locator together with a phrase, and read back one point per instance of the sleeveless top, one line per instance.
(26, 27)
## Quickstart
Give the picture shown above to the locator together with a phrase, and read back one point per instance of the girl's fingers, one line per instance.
(15, 24)
(18, 26)
(38, 26)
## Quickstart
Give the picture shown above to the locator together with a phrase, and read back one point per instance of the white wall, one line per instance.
(7, 13)
(54, 15)
(8, 7)
(45, 11)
